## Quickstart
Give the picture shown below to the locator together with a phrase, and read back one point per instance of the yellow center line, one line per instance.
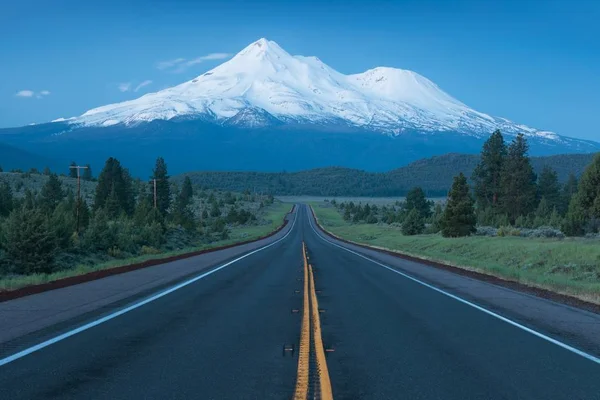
(301, 391)
(324, 382)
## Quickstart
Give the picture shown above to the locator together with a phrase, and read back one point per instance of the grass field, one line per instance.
(271, 220)
(570, 266)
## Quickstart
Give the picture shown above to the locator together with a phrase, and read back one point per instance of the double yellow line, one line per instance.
(311, 322)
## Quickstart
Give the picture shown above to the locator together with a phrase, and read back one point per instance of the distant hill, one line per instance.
(12, 157)
(434, 175)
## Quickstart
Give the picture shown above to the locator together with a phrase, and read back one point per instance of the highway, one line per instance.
(242, 333)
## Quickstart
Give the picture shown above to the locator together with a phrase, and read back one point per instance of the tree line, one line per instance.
(434, 175)
(51, 229)
(505, 192)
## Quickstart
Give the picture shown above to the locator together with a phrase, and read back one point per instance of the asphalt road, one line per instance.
(222, 337)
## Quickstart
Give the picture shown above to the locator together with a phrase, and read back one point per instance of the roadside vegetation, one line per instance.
(508, 222)
(47, 234)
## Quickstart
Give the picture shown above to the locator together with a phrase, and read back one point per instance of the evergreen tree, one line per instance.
(413, 223)
(187, 192)
(204, 214)
(459, 216)
(87, 173)
(518, 181)
(72, 171)
(62, 223)
(6, 199)
(215, 211)
(347, 215)
(487, 175)
(115, 178)
(549, 188)
(84, 215)
(163, 190)
(52, 193)
(436, 219)
(47, 171)
(568, 191)
(585, 204)
(183, 215)
(415, 199)
(28, 241)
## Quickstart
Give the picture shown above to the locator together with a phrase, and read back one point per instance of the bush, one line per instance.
(413, 224)
(508, 231)
(486, 231)
(542, 232)
(29, 242)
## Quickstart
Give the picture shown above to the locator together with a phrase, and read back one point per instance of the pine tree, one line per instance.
(215, 211)
(459, 216)
(6, 199)
(47, 171)
(87, 173)
(549, 188)
(436, 218)
(415, 199)
(187, 192)
(29, 242)
(115, 178)
(72, 171)
(585, 204)
(568, 191)
(518, 181)
(183, 215)
(62, 223)
(163, 191)
(413, 223)
(52, 193)
(487, 175)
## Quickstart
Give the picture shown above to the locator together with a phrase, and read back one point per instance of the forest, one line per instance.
(46, 227)
(503, 196)
(434, 175)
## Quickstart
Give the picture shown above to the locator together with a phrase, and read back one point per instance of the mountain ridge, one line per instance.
(433, 174)
(264, 85)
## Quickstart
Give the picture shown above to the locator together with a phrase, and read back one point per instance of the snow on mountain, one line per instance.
(264, 85)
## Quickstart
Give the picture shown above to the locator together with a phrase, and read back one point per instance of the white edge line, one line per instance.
(132, 307)
(491, 313)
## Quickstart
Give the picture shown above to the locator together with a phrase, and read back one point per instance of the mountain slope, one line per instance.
(278, 87)
(434, 175)
(266, 110)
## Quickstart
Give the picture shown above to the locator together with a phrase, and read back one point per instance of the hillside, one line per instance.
(434, 175)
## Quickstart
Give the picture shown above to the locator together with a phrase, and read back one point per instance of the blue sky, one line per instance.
(535, 62)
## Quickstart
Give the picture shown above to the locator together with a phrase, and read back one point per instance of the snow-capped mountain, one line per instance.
(264, 85)
(265, 110)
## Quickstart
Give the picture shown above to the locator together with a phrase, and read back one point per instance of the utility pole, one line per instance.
(78, 167)
(154, 180)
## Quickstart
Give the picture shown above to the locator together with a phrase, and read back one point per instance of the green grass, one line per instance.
(570, 266)
(271, 220)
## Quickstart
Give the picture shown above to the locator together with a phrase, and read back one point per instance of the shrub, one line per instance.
(413, 224)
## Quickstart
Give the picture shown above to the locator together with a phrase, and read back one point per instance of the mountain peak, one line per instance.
(261, 48)
(263, 84)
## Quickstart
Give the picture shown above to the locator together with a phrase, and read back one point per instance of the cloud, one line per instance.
(31, 93)
(179, 65)
(25, 93)
(169, 63)
(141, 85)
(125, 86)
